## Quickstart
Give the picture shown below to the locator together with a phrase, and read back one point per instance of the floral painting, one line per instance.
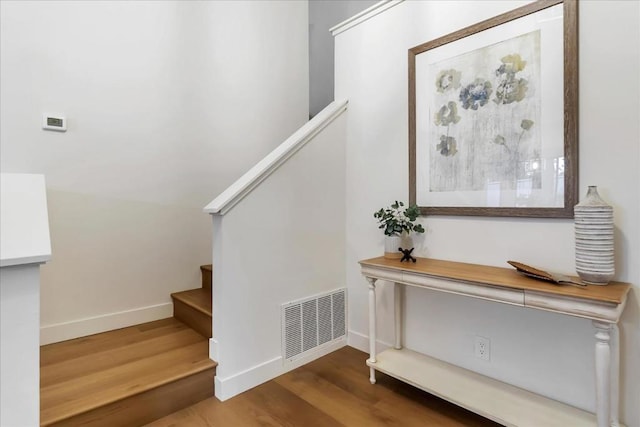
(483, 117)
(493, 120)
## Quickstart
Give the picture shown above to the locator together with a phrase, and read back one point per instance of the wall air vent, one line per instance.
(309, 324)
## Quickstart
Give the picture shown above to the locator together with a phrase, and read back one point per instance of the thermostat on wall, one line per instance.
(54, 122)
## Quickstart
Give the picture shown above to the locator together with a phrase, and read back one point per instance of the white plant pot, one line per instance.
(393, 243)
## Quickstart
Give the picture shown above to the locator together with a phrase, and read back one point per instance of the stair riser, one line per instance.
(149, 406)
(196, 320)
(206, 277)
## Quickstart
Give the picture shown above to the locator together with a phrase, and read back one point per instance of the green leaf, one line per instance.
(395, 220)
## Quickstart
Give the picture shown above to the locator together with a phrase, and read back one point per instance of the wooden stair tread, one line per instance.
(111, 358)
(111, 340)
(111, 374)
(199, 299)
(80, 395)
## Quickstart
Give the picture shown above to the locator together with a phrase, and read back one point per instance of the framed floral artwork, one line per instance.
(493, 120)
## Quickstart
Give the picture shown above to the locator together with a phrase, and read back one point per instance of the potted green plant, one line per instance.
(398, 222)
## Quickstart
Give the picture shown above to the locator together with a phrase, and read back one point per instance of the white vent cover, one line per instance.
(313, 322)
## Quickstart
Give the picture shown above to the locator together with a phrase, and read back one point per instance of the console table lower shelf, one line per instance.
(495, 400)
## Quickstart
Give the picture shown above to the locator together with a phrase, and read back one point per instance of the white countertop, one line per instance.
(24, 220)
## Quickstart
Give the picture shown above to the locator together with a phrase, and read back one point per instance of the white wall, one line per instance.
(324, 14)
(167, 104)
(543, 352)
(20, 349)
(25, 244)
(284, 241)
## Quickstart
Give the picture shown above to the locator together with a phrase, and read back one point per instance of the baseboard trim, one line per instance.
(361, 342)
(213, 349)
(93, 325)
(226, 388)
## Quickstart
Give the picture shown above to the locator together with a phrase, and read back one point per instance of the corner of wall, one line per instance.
(94, 325)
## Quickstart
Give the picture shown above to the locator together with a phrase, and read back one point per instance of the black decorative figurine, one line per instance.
(407, 255)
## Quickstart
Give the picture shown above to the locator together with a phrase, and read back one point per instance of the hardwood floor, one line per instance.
(331, 391)
(193, 308)
(126, 377)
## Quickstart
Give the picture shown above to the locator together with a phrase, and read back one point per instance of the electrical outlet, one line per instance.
(482, 348)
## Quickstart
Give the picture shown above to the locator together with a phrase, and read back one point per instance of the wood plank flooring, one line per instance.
(199, 299)
(207, 275)
(99, 379)
(331, 391)
(193, 308)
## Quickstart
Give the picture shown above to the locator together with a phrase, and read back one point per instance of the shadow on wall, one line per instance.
(325, 14)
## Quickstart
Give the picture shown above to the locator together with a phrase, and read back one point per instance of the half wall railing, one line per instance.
(278, 236)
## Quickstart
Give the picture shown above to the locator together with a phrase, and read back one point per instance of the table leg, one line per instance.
(615, 375)
(372, 328)
(603, 373)
(397, 296)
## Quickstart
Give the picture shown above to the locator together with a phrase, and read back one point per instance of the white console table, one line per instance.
(493, 399)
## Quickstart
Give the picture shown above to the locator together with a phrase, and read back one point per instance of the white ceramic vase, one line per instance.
(594, 239)
(392, 245)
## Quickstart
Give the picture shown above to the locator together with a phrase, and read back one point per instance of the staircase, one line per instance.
(134, 375)
(193, 307)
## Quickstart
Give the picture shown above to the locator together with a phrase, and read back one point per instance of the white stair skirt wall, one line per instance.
(278, 237)
(310, 324)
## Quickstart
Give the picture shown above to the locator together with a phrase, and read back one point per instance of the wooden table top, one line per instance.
(614, 292)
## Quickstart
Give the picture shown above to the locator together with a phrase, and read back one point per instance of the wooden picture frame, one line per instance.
(504, 144)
